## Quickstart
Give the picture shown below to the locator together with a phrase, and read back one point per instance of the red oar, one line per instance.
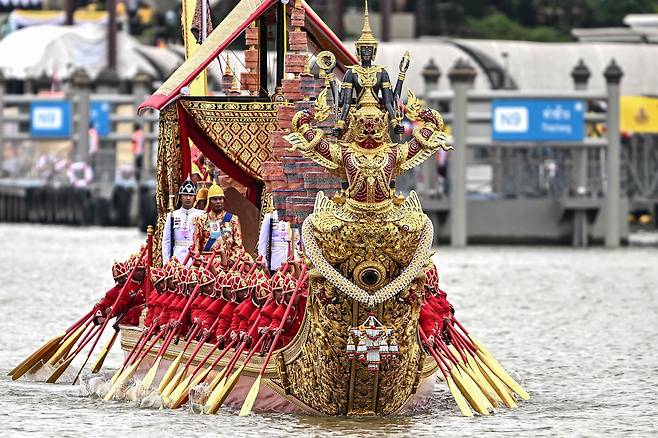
(58, 372)
(253, 392)
(150, 375)
(45, 352)
(109, 345)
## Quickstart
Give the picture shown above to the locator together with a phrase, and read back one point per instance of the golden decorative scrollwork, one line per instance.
(239, 129)
(168, 172)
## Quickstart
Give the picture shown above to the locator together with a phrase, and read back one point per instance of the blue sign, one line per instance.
(538, 120)
(50, 119)
(99, 113)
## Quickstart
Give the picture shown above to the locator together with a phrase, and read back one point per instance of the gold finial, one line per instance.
(149, 230)
(228, 66)
(366, 38)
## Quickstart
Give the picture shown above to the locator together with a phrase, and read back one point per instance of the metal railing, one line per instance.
(580, 174)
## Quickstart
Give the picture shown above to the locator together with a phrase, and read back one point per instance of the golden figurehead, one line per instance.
(367, 247)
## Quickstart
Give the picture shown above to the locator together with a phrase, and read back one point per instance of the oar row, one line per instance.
(175, 385)
(475, 379)
(60, 351)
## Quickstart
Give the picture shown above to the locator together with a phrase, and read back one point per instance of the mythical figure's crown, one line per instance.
(366, 38)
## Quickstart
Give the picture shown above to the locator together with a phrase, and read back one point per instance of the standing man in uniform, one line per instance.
(219, 229)
(274, 241)
(177, 234)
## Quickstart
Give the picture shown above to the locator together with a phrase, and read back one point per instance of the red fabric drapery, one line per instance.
(190, 130)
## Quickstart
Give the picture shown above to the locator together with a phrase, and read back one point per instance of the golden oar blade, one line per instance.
(251, 398)
(171, 371)
(172, 396)
(116, 375)
(42, 353)
(150, 375)
(469, 393)
(173, 384)
(219, 381)
(225, 391)
(488, 390)
(60, 370)
(66, 346)
(462, 404)
(499, 371)
(181, 392)
(101, 357)
(480, 382)
(126, 374)
(497, 385)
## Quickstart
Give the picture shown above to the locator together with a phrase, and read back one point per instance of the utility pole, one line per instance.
(112, 35)
(385, 11)
(69, 9)
(339, 11)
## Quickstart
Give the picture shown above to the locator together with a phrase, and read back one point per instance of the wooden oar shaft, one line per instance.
(439, 362)
(101, 357)
(212, 350)
(79, 322)
(199, 345)
(300, 281)
(85, 338)
(186, 309)
(144, 353)
(137, 348)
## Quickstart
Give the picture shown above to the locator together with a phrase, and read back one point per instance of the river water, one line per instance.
(578, 328)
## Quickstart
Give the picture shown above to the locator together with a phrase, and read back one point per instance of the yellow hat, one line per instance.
(202, 194)
(215, 191)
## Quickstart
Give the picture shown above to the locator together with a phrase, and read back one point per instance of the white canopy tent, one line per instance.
(31, 52)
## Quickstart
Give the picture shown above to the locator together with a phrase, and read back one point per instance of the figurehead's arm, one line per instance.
(427, 138)
(388, 99)
(345, 101)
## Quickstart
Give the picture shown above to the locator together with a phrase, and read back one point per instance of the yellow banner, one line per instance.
(199, 86)
(639, 114)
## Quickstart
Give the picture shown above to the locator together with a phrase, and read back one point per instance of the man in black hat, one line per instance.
(177, 235)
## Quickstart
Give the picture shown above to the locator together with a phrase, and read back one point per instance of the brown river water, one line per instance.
(577, 328)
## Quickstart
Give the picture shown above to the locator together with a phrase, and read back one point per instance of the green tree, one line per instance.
(499, 26)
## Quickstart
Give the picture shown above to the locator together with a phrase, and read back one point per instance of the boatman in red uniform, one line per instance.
(218, 229)
(205, 297)
(237, 285)
(120, 275)
(129, 304)
(435, 310)
(153, 302)
(212, 312)
(247, 307)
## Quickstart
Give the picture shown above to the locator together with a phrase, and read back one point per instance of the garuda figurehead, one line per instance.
(363, 153)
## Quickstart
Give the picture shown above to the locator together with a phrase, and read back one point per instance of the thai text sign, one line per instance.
(537, 120)
(50, 119)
